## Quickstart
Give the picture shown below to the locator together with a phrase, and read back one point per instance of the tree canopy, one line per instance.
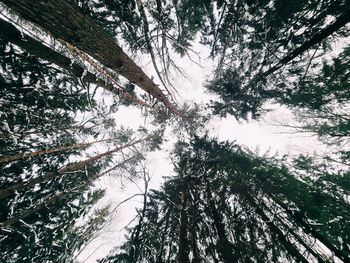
(73, 71)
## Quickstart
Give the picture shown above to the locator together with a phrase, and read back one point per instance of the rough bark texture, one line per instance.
(12, 34)
(63, 20)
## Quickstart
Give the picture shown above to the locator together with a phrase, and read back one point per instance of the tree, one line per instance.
(238, 209)
(81, 34)
(225, 204)
(37, 123)
(261, 69)
(44, 192)
(37, 48)
(322, 100)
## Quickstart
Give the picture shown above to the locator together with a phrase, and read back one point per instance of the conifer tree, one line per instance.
(46, 175)
(276, 43)
(238, 209)
(84, 37)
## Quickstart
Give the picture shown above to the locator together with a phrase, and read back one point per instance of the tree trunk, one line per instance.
(183, 251)
(194, 229)
(27, 155)
(69, 168)
(148, 41)
(55, 198)
(316, 39)
(164, 232)
(64, 21)
(135, 252)
(342, 254)
(297, 237)
(12, 34)
(292, 250)
(224, 245)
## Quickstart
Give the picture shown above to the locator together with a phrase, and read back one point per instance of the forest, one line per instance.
(95, 96)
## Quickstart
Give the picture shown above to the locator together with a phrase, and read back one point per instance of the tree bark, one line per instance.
(64, 21)
(37, 48)
(12, 34)
(183, 243)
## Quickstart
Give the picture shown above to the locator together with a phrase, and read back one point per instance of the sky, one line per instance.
(259, 136)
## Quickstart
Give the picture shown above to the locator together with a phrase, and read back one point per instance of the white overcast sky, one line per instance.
(260, 135)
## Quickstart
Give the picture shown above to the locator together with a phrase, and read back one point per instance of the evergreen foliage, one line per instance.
(59, 136)
(237, 207)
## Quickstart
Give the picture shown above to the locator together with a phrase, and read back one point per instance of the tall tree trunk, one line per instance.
(56, 198)
(183, 243)
(194, 229)
(297, 237)
(340, 253)
(68, 168)
(27, 155)
(64, 21)
(292, 249)
(12, 34)
(224, 245)
(134, 253)
(341, 21)
(164, 233)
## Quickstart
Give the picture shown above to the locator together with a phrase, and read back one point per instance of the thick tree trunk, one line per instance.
(37, 48)
(64, 21)
(12, 34)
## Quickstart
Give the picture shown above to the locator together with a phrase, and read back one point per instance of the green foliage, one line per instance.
(239, 208)
(38, 108)
(260, 63)
(118, 17)
(225, 204)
